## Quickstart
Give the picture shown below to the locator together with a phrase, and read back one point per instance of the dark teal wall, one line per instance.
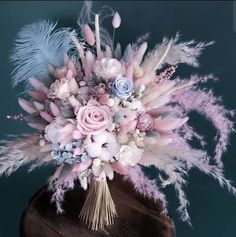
(212, 209)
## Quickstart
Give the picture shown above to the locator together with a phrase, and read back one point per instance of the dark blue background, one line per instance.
(212, 209)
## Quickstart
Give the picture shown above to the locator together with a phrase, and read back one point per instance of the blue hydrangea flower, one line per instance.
(66, 155)
(122, 87)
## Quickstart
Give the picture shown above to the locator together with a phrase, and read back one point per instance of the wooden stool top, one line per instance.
(137, 216)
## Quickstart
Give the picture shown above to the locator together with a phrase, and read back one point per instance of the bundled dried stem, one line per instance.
(99, 209)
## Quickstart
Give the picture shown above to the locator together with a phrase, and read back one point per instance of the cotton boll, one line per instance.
(105, 154)
(101, 138)
(94, 149)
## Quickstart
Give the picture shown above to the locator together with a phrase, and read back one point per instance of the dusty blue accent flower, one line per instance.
(122, 87)
(66, 155)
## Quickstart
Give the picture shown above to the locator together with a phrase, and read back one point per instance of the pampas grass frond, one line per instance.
(173, 53)
(175, 161)
(20, 151)
(205, 103)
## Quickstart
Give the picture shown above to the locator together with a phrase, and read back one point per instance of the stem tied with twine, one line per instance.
(99, 209)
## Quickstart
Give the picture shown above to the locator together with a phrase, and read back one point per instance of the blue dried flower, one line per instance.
(66, 155)
(122, 87)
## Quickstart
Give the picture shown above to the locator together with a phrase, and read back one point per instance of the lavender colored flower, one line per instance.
(122, 87)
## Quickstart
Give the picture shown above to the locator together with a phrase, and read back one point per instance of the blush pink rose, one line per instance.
(93, 118)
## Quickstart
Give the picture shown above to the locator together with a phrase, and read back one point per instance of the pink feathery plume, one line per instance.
(62, 181)
(145, 186)
(22, 150)
(208, 105)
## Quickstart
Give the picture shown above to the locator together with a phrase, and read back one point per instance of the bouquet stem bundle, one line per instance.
(99, 209)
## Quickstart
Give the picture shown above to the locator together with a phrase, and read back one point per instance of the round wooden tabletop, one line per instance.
(137, 216)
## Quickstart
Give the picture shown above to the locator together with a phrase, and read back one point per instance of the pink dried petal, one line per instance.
(27, 106)
(46, 116)
(169, 124)
(82, 166)
(38, 85)
(37, 126)
(38, 95)
(54, 109)
(89, 36)
(120, 169)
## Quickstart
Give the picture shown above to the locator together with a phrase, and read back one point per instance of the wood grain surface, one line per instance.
(137, 216)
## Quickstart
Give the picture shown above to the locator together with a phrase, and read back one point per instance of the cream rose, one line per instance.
(93, 118)
(108, 68)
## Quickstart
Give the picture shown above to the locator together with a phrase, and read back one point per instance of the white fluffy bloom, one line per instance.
(130, 154)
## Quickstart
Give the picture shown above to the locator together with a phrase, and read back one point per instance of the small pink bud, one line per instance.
(89, 36)
(116, 20)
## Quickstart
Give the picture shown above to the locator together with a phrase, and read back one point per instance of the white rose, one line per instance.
(108, 68)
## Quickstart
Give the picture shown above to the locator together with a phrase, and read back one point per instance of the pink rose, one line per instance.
(93, 118)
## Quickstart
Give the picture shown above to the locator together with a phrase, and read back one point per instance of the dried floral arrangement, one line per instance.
(98, 110)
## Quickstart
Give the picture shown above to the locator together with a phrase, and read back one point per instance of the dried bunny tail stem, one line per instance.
(87, 17)
(97, 36)
(20, 151)
(99, 209)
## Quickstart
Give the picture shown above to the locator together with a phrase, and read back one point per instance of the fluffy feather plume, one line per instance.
(145, 186)
(37, 46)
(20, 151)
(62, 181)
(171, 52)
(205, 103)
(175, 161)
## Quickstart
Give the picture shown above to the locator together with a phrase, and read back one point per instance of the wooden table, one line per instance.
(137, 216)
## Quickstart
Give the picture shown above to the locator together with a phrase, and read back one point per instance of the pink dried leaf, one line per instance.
(169, 124)
(37, 126)
(38, 85)
(89, 36)
(38, 95)
(46, 116)
(54, 109)
(27, 106)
